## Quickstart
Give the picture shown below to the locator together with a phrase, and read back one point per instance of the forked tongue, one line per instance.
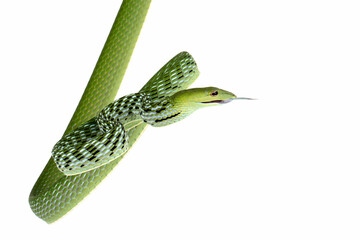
(242, 98)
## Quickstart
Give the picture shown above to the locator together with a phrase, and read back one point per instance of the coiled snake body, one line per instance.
(101, 132)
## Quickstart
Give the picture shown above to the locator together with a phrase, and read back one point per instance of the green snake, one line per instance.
(102, 131)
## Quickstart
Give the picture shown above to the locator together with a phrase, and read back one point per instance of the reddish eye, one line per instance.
(214, 93)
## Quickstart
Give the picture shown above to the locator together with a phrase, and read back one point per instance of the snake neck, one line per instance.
(125, 109)
(155, 111)
(160, 112)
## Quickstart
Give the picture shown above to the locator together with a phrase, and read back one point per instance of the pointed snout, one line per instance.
(229, 96)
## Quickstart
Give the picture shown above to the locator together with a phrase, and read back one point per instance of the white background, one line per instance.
(283, 167)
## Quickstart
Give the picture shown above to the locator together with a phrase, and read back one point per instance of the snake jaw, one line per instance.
(219, 101)
(228, 100)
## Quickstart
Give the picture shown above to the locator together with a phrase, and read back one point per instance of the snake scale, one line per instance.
(101, 131)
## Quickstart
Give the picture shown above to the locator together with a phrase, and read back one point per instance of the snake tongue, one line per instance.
(243, 98)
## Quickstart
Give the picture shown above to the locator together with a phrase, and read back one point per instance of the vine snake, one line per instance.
(101, 131)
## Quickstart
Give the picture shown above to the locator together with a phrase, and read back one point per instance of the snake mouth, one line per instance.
(219, 101)
(228, 100)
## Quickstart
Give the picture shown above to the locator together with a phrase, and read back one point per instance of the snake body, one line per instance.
(105, 137)
(102, 131)
(54, 194)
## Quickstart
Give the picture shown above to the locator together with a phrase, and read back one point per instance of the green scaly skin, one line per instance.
(54, 194)
(100, 133)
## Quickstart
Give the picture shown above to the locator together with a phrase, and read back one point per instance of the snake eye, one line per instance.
(214, 93)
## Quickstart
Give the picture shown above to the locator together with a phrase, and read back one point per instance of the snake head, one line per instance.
(213, 95)
(208, 96)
